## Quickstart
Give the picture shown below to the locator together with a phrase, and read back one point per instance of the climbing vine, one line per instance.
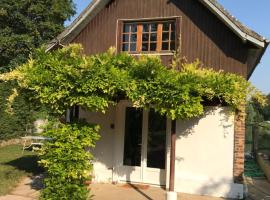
(66, 77)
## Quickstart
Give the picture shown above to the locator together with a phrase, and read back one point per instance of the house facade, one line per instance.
(135, 145)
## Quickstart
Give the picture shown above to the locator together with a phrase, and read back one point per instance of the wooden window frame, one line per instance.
(159, 32)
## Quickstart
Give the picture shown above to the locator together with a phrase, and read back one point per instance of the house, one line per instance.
(136, 144)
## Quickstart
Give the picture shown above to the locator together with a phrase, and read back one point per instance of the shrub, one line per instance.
(67, 161)
(15, 115)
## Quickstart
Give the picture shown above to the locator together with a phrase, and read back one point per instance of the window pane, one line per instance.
(172, 26)
(153, 27)
(145, 46)
(134, 28)
(165, 36)
(172, 45)
(153, 46)
(153, 37)
(165, 46)
(133, 38)
(126, 38)
(172, 35)
(149, 36)
(145, 27)
(125, 47)
(132, 46)
(166, 26)
(126, 28)
(133, 137)
(156, 147)
(145, 37)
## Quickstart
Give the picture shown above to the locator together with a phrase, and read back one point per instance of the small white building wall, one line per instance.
(103, 152)
(204, 152)
(205, 155)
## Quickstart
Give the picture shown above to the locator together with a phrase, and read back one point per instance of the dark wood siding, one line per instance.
(204, 36)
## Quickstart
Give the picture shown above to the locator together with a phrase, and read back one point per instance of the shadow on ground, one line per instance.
(140, 191)
(28, 164)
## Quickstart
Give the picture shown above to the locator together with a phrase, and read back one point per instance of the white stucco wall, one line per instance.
(103, 152)
(204, 151)
(204, 155)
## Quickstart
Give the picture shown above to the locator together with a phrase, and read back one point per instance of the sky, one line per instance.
(253, 13)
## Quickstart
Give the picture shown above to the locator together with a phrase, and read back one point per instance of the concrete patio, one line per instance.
(28, 189)
(137, 192)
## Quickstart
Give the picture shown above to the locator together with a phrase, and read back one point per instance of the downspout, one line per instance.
(171, 194)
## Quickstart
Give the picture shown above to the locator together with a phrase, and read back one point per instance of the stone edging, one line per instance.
(10, 142)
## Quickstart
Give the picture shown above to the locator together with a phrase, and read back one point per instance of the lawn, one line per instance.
(14, 165)
(253, 170)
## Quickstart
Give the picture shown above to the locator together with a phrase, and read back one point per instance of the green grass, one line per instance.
(14, 165)
(253, 170)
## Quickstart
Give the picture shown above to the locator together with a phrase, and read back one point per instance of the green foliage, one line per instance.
(14, 111)
(26, 24)
(67, 162)
(67, 77)
(257, 115)
(257, 112)
(264, 109)
(18, 112)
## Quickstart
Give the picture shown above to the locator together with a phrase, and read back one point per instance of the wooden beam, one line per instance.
(139, 38)
(172, 156)
(159, 37)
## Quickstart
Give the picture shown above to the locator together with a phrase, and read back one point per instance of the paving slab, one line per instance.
(136, 192)
(15, 197)
(258, 189)
(27, 189)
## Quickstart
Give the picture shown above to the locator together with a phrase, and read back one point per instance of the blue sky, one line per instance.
(253, 13)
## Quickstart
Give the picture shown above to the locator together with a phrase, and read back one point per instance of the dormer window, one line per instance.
(149, 37)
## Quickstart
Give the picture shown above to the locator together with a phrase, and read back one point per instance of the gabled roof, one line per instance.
(78, 24)
(95, 6)
(242, 31)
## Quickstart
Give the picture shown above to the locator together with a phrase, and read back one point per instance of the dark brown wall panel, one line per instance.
(204, 36)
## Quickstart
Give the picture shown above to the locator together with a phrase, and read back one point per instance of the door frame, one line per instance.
(142, 174)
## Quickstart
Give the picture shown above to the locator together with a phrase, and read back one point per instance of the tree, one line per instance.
(256, 123)
(26, 24)
(266, 109)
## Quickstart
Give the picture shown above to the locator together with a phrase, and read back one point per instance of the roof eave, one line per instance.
(259, 58)
(89, 13)
(244, 36)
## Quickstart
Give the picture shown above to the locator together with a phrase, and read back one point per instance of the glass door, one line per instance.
(156, 140)
(155, 145)
(144, 147)
(133, 137)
